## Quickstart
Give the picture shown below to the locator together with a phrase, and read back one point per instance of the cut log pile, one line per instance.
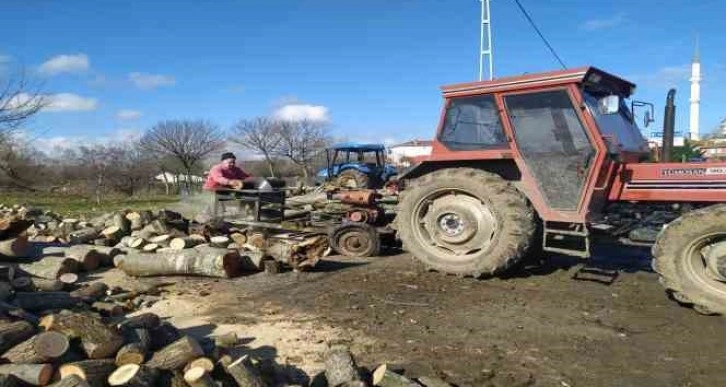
(145, 243)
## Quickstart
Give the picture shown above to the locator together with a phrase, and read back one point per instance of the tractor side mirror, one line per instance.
(609, 104)
(647, 119)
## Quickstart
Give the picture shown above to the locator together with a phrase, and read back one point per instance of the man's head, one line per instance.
(228, 160)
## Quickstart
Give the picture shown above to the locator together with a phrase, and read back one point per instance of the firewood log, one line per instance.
(50, 267)
(13, 226)
(71, 381)
(150, 248)
(48, 285)
(68, 278)
(133, 353)
(97, 340)
(83, 235)
(202, 362)
(211, 263)
(158, 227)
(54, 251)
(161, 240)
(245, 374)
(171, 379)
(340, 366)
(175, 355)
(429, 381)
(10, 381)
(384, 377)
(41, 348)
(113, 233)
(17, 247)
(103, 242)
(95, 372)
(39, 301)
(14, 333)
(134, 375)
(87, 255)
(238, 238)
(227, 340)
(121, 221)
(220, 241)
(199, 377)
(184, 242)
(137, 243)
(92, 292)
(135, 221)
(34, 374)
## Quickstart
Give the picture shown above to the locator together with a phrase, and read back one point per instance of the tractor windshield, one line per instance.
(619, 128)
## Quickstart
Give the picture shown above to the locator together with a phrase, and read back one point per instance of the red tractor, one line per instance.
(541, 162)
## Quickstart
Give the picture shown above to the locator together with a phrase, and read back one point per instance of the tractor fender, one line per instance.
(507, 169)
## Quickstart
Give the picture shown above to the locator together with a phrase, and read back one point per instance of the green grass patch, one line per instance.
(79, 206)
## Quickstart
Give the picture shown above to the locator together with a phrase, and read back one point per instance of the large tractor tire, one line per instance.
(690, 257)
(465, 221)
(353, 179)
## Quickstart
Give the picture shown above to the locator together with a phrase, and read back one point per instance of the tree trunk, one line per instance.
(87, 255)
(35, 374)
(95, 372)
(71, 381)
(97, 340)
(211, 262)
(15, 248)
(50, 267)
(40, 301)
(270, 165)
(199, 377)
(134, 375)
(175, 355)
(245, 374)
(41, 348)
(14, 333)
(297, 254)
(340, 366)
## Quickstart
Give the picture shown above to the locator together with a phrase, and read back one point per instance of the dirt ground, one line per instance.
(540, 326)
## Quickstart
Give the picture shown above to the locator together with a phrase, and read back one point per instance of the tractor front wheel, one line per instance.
(690, 257)
(465, 221)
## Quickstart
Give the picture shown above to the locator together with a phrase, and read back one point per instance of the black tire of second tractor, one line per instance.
(517, 221)
(670, 253)
(361, 180)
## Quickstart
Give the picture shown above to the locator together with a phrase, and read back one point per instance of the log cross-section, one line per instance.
(177, 354)
(97, 340)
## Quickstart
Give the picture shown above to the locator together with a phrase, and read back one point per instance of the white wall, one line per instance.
(396, 153)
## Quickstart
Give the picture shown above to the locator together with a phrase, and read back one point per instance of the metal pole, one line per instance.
(485, 41)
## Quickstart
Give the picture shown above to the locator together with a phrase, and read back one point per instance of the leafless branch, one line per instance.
(261, 135)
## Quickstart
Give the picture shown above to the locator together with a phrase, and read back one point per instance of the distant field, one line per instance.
(76, 206)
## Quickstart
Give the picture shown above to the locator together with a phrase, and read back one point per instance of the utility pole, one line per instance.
(485, 43)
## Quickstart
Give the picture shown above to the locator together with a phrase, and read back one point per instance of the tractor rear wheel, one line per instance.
(353, 179)
(465, 221)
(690, 257)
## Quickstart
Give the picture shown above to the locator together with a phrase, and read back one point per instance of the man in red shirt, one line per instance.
(226, 174)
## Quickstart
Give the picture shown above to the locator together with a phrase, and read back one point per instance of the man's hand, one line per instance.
(235, 184)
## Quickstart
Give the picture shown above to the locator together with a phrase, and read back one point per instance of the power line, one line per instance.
(531, 22)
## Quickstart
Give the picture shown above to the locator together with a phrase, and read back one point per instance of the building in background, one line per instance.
(402, 154)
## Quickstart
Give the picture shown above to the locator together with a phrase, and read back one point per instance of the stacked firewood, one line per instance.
(152, 243)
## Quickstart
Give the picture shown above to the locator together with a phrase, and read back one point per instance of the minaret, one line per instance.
(695, 93)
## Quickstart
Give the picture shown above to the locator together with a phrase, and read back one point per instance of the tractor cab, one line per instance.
(356, 165)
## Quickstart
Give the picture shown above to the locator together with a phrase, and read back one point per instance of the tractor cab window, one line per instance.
(472, 124)
(619, 127)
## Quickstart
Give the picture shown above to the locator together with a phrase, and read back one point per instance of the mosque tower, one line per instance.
(695, 93)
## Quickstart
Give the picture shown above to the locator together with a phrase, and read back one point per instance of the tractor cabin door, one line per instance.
(555, 148)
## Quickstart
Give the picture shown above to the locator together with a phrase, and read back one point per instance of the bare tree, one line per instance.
(262, 135)
(97, 160)
(187, 141)
(302, 141)
(21, 164)
(133, 168)
(19, 100)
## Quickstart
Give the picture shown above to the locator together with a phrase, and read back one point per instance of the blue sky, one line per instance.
(373, 68)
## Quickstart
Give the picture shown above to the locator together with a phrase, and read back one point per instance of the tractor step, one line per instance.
(566, 238)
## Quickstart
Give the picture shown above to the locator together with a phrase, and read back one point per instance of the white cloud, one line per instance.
(151, 81)
(128, 115)
(74, 63)
(68, 102)
(665, 76)
(50, 145)
(299, 112)
(600, 24)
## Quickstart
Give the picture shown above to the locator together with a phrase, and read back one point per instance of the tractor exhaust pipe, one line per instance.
(669, 124)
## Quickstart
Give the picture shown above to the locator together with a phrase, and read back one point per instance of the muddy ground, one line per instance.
(540, 326)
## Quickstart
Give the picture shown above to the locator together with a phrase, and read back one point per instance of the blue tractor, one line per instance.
(355, 166)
